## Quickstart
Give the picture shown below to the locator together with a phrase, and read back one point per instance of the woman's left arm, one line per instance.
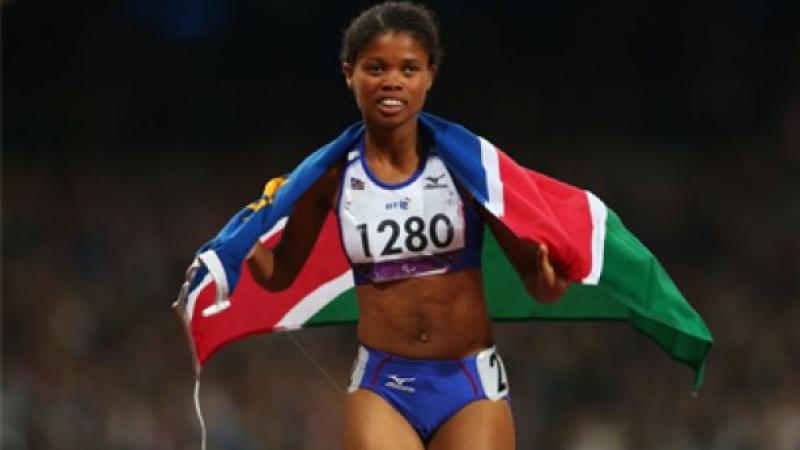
(530, 259)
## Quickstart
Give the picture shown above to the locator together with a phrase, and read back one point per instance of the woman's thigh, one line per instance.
(371, 423)
(481, 425)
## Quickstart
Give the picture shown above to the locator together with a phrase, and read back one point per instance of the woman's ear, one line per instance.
(347, 70)
(433, 71)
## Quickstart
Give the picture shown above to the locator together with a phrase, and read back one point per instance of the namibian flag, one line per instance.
(616, 277)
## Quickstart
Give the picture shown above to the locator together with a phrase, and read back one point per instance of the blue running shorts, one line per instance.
(427, 392)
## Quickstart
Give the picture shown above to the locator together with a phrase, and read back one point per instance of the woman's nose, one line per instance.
(392, 81)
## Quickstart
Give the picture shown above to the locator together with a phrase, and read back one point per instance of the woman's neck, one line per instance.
(398, 146)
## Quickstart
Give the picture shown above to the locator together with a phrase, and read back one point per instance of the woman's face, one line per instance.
(390, 79)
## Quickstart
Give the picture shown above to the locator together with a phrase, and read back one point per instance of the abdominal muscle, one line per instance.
(432, 317)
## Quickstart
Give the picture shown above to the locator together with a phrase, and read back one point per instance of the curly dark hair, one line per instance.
(393, 16)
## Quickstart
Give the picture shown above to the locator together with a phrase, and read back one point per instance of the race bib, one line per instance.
(492, 374)
(382, 222)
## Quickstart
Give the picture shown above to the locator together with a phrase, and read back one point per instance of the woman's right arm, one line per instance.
(276, 269)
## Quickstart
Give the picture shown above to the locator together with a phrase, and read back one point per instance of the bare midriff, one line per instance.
(432, 317)
(428, 317)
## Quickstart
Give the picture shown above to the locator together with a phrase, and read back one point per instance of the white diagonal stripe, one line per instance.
(192, 300)
(279, 226)
(599, 212)
(494, 185)
(315, 301)
(211, 260)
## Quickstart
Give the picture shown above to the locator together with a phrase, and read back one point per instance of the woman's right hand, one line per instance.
(260, 260)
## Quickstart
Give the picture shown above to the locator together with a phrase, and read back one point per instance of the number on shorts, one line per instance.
(494, 361)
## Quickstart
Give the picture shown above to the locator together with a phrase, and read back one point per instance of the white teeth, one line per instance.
(391, 102)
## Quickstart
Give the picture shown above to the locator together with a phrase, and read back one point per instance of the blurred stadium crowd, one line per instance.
(94, 358)
(129, 137)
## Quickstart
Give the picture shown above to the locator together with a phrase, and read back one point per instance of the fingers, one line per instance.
(552, 285)
(545, 268)
(544, 262)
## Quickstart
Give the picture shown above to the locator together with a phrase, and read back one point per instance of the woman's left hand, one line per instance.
(545, 282)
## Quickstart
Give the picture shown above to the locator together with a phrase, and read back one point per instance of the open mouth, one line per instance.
(391, 105)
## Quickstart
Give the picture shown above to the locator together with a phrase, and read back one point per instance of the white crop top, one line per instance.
(415, 228)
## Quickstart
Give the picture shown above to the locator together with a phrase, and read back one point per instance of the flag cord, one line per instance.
(314, 362)
(198, 410)
(199, 413)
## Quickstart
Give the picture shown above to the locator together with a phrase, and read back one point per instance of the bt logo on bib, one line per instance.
(399, 204)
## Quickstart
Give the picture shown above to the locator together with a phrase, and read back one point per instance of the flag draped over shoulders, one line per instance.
(616, 277)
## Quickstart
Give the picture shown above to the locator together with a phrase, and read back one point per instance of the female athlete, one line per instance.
(427, 374)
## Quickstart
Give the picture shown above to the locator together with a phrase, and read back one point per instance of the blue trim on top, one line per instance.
(390, 186)
(460, 149)
(342, 179)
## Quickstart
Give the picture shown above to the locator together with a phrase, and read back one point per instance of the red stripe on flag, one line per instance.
(254, 310)
(545, 210)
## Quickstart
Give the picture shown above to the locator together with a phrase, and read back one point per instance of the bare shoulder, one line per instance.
(331, 177)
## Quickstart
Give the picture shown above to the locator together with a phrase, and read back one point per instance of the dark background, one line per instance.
(133, 128)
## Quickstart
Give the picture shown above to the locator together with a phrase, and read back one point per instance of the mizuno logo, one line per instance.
(399, 383)
(433, 182)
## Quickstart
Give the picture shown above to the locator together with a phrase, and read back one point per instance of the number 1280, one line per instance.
(416, 239)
